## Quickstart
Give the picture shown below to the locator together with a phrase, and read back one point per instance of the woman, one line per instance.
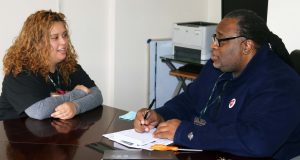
(42, 76)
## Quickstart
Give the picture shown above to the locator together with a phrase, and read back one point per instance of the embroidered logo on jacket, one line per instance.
(232, 103)
(190, 136)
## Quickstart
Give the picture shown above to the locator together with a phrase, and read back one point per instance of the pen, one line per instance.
(148, 109)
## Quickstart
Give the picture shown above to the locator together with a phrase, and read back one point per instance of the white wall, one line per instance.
(12, 16)
(110, 38)
(214, 11)
(284, 20)
(110, 35)
(137, 21)
(88, 23)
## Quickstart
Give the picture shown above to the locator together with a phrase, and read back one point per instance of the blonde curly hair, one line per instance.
(31, 49)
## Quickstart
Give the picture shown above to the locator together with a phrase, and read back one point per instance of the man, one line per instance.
(246, 100)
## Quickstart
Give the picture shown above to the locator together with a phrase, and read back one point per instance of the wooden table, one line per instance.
(29, 139)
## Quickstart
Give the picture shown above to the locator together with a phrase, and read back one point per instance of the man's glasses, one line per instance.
(219, 40)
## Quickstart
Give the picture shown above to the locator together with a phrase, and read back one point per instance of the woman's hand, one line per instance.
(65, 126)
(66, 110)
(83, 88)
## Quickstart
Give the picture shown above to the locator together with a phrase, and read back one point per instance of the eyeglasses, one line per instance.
(219, 40)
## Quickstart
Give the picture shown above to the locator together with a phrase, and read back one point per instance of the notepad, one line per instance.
(133, 139)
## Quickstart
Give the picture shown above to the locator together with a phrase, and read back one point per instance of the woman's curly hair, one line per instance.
(31, 49)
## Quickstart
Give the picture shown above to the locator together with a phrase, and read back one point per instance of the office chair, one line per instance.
(295, 59)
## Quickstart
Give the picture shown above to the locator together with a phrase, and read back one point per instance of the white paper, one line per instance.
(131, 138)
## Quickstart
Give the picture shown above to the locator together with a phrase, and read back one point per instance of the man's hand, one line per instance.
(66, 110)
(167, 129)
(151, 121)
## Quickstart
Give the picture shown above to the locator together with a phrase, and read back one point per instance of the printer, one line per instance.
(193, 39)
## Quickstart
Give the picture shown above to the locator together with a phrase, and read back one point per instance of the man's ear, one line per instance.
(248, 46)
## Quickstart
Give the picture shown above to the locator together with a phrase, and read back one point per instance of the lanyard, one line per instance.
(56, 86)
(199, 120)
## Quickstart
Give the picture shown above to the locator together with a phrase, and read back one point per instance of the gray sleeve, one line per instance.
(90, 101)
(44, 108)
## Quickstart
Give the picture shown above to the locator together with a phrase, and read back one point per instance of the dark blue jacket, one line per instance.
(258, 114)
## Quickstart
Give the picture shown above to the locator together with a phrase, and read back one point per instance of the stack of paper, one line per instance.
(131, 138)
